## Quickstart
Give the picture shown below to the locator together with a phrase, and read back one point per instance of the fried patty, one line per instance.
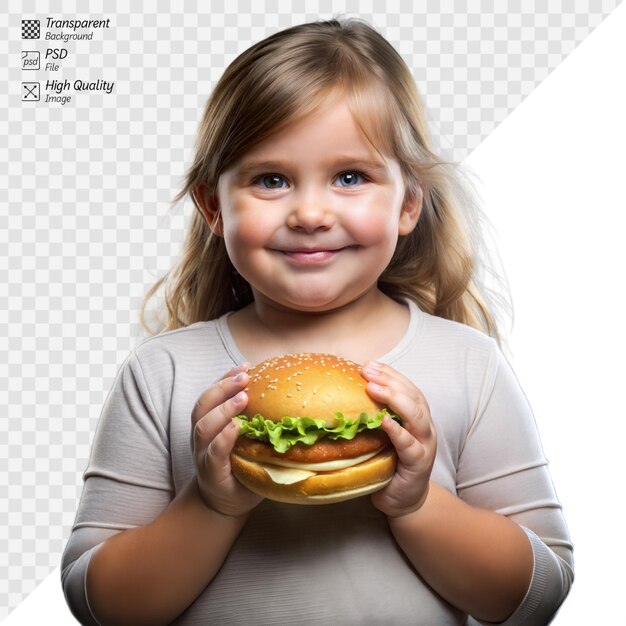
(324, 450)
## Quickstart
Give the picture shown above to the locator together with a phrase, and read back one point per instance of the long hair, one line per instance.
(441, 266)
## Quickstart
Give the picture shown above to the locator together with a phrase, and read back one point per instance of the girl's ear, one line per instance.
(208, 205)
(411, 210)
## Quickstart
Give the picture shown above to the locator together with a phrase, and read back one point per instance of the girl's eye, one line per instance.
(271, 181)
(350, 179)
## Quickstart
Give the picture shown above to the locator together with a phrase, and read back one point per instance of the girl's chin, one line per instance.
(307, 306)
(303, 302)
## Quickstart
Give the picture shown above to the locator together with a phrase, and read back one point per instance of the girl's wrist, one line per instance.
(408, 515)
(196, 494)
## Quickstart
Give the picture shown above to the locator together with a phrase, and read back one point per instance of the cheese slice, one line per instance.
(288, 472)
(286, 475)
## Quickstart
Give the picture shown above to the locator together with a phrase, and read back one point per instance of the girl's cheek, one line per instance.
(239, 221)
(251, 230)
(370, 227)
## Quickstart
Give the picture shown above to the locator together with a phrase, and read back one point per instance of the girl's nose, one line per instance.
(311, 212)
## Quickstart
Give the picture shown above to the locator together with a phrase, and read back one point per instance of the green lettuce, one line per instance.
(291, 430)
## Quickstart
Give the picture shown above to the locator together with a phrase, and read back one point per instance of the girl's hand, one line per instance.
(214, 433)
(415, 441)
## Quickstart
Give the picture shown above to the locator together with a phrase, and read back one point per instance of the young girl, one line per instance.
(325, 223)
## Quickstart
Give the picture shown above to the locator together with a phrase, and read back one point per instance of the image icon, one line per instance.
(30, 29)
(30, 92)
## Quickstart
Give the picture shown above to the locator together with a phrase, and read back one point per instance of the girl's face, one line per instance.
(311, 216)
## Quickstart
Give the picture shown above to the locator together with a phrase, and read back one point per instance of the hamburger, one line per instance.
(310, 433)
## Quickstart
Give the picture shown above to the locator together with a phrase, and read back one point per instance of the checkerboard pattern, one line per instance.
(87, 224)
(30, 29)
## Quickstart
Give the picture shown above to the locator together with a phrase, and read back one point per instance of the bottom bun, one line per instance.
(323, 487)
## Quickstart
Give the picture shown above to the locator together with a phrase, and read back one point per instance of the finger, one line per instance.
(217, 456)
(242, 367)
(389, 387)
(409, 450)
(413, 411)
(208, 427)
(383, 373)
(226, 387)
(214, 396)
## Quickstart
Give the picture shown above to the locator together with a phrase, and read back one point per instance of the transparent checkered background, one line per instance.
(87, 225)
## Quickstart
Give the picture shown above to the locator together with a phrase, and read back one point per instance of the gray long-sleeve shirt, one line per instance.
(337, 563)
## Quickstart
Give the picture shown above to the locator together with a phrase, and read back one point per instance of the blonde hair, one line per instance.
(440, 265)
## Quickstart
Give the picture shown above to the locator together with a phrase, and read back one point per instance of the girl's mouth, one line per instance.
(311, 257)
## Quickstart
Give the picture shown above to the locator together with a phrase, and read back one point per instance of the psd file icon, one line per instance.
(30, 59)
(30, 29)
(30, 92)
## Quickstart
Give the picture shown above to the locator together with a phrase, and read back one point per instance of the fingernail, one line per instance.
(374, 387)
(390, 422)
(238, 378)
(240, 397)
(372, 368)
(242, 367)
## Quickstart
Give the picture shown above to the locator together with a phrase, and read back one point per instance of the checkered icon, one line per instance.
(30, 29)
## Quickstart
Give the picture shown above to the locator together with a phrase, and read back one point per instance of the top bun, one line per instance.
(308, 385)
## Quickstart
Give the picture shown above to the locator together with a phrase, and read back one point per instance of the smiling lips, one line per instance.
(311, 257)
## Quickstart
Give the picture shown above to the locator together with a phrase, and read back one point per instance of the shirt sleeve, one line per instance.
(127, 482)
(502, 467)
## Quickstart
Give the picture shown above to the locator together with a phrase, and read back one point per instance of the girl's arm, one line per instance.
(479, 561)
(150, 575)
(475, 548)
(136, 556)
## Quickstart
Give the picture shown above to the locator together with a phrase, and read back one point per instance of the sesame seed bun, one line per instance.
(317, 386)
